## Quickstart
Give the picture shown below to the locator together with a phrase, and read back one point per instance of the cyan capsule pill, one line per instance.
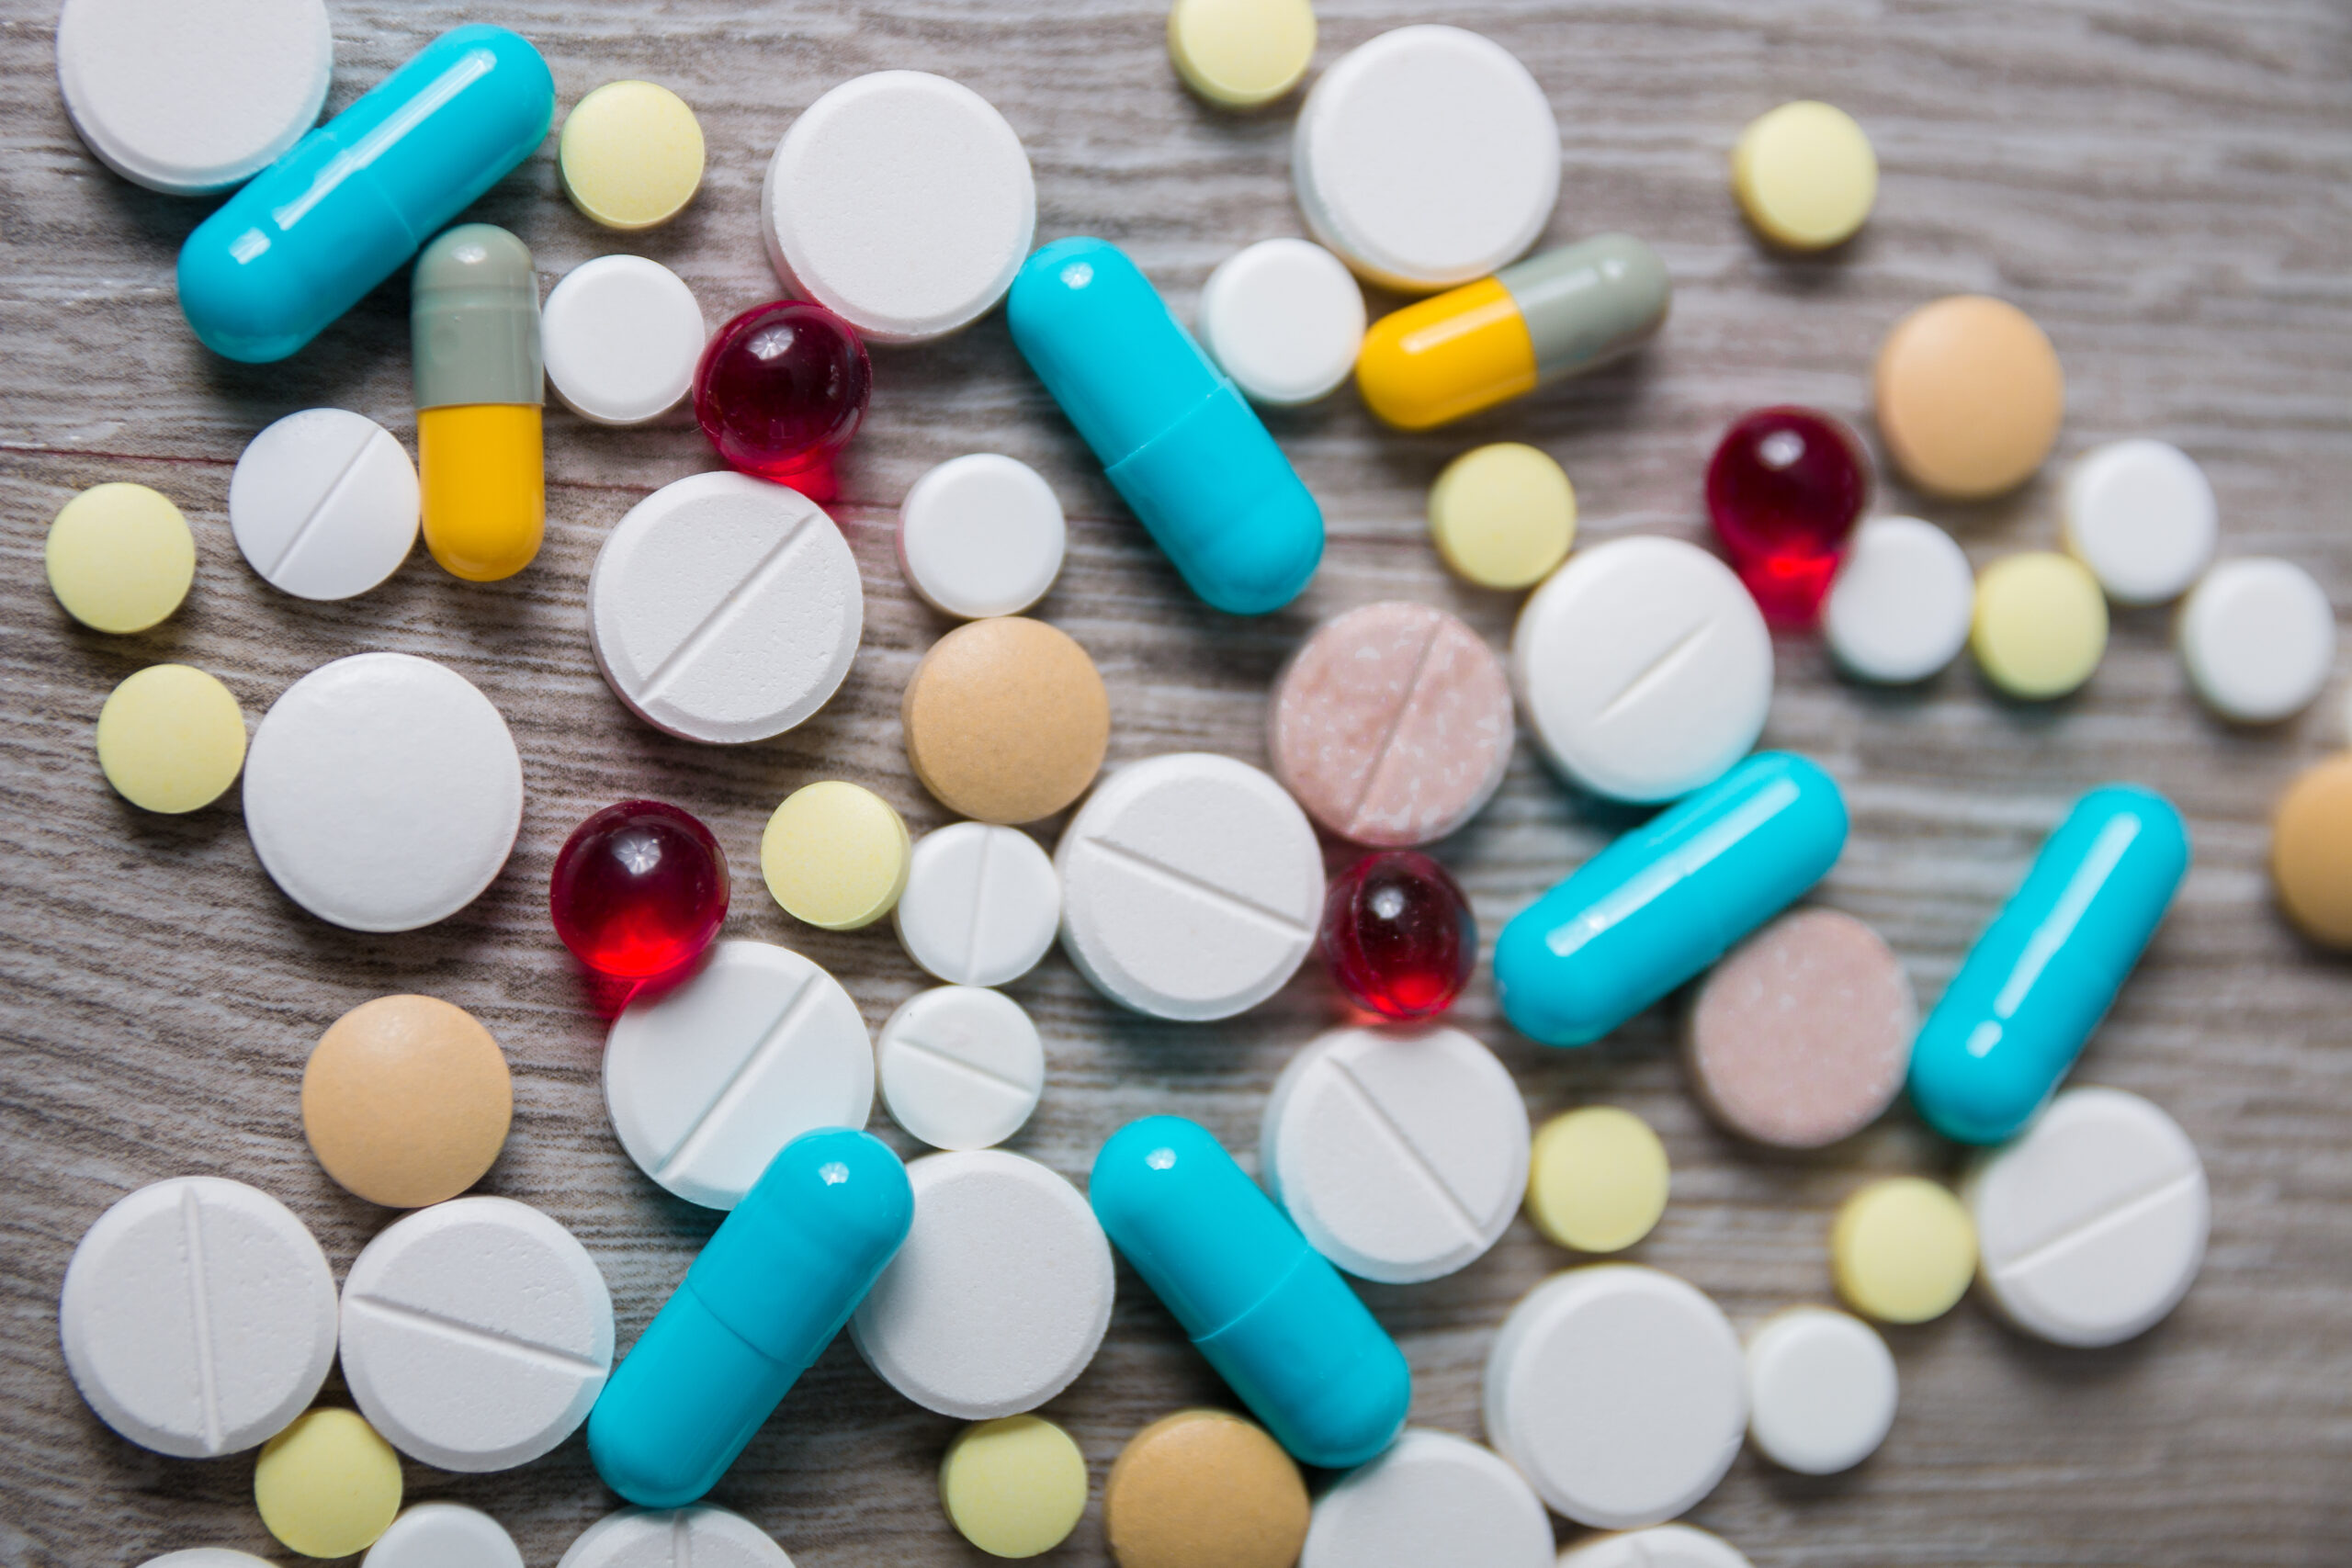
(2046, 970)
(1669, 898)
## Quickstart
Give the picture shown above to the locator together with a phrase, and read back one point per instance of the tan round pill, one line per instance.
(1204, 1489)
(2311, 851)
(1006, 720)
(1970, 394)
(406, 1101)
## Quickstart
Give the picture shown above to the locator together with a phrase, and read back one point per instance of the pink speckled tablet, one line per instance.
(1802, 1035)
(1392, 725)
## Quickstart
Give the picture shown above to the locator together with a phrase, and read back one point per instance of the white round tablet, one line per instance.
(2091, 1226)
(1821, 1390)
(981, 904)
(1661, 1545)
(981, 535)
(1191, 887)
(476, 1334)
(1643, 669)
(208, 1557)
(443, 1535)
(191, 99)
(621, 336)
(1900, 608)
(998, 1298)
(1401, 1154)
(324, 504)
(2258, 638)
(383, 792)
(700, 1537)
(2140, 514)
(1284, 319)
(724, 608)
(961, 1067)
(1427, 158)
(198, 1318)
(900, 201)
(1431, 1498)
(1618, 1392)
(705, 1082)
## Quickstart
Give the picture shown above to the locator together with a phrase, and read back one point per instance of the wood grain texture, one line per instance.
(2161, 182)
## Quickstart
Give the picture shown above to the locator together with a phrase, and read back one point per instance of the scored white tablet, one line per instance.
(323, 504)
(981, 535)
(621, 336)
(2258, 638)
(1661, 1545)
(443, 1535)
(1285, 319)
(982, 905)
(699, 1536)
(2140, 514)
(1821, 1389)
(198, 1318)
(961, 1067)
(1900, 607)
(1432, 1498)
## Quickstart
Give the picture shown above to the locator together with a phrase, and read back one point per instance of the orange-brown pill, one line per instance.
(406, 1101)
(1970, 395)
(2311, 851)
(1205, 1489)
(1006, 720)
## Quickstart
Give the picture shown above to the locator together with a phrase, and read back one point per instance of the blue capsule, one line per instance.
(2029, 994)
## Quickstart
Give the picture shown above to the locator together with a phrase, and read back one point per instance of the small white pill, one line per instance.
(1284, 319)
(1426, 158)
(1000, 1295)
(2258, 638)
(476, 1334)
(621, 336)
(900, 201)
(725, 609)
(208, 1557)
(2090, 1227)
(191, 99)
(1432, 1498)
(981, 904)
(981, 535)
(443, 1535)
(1401, 1154)
(704, 1083)
(1661, 1545)
(198, 1318)
(1821, 1390)
(700, 1537)
(1643, 669)
(1900, 608)
(961, 1067)
(2140, 514)
(1191, 887)
(1618, 1392)
(383, 792)
(324, 504)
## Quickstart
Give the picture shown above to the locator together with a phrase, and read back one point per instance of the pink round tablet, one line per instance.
(1802, 1035)
(1392, 725)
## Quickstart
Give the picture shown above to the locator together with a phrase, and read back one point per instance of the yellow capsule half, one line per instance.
(483, 472)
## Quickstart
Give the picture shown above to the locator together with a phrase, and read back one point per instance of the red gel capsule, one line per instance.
(1784, 490)
(1398, 935)
(639, 889)
(780, 391)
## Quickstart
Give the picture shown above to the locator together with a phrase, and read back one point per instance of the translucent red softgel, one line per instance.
(639, 889)
(780, 391)
(1398, 935)
(1785, 487)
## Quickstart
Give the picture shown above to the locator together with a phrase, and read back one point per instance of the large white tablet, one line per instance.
(699, 1536)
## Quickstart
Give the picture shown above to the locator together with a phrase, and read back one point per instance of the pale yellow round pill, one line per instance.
(327, 1486)
(1598, 1179)
(1014, 1487)
(1503, 517)
(1902, 1250)
(171, 739)
(2040, 625)
(630, 155)
(1806, 175)
(120, 557)
(835, 855)
(1241, 54)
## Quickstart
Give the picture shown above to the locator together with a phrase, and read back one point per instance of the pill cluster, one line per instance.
(383, 792)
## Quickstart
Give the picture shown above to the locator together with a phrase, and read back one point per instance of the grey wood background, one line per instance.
(2162, 182)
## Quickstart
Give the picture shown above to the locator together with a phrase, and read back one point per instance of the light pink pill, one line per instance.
(1803, 1034)
(1392, 725)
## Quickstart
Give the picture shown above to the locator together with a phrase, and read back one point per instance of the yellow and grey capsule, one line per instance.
(474, 316)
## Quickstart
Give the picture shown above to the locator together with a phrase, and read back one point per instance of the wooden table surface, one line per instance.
(2161, 182)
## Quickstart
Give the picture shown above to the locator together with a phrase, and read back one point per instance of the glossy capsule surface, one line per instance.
(2029, 994)
(474, 325)
(1269, 1313)
(1669, 898)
